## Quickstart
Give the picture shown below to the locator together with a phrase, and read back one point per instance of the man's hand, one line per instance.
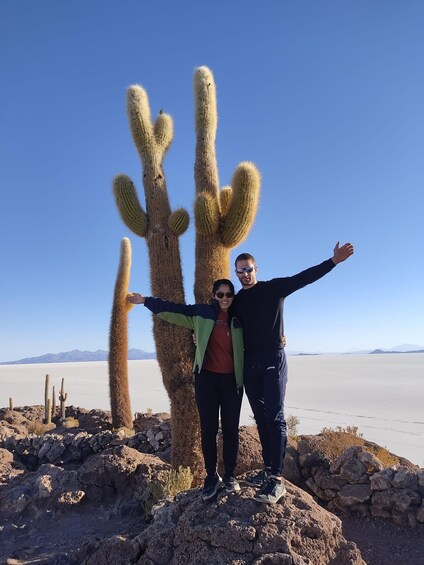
(342, 253)
(135, 298)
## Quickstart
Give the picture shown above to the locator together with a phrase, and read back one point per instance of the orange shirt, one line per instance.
(219, 352)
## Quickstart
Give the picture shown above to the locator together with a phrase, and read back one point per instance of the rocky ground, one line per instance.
(90, 509)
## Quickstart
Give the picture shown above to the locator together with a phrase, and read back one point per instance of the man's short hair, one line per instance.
(245, 257)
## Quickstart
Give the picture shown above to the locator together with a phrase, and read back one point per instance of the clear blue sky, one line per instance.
(326, 97)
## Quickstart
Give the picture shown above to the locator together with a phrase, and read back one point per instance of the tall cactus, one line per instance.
(223, 217)
(118, 343)
(161, 228)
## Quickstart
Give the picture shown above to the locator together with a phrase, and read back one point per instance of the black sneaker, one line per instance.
(272, 491)
(213, 483)
(257, 480)
(231, 484)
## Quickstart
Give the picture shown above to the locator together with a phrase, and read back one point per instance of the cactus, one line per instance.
(49, 411)
(47, 402)
(11, 404)
(118, 344)
(54, 402)
(62, 399)
(161, 228)
(223, 217)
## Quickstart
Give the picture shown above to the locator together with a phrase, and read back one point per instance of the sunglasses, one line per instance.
(245, 270)
(222, 294)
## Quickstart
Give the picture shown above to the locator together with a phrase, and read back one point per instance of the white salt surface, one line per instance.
(383, 395)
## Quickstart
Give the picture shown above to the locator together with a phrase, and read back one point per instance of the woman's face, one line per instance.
(225, 296)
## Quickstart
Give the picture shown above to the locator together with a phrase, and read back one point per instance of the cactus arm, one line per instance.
(205, 168)
(138, 110)
(178, 221)
(128, 205)
(164, 131)
(225, 197)
(206, 213)
(244, 203)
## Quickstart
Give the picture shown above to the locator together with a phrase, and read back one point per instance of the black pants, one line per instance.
(215, 391)
(265, 380)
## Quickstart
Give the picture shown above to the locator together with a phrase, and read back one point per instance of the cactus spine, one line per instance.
(118, 344)
(223, 217)
(62, 399)
(47, 401)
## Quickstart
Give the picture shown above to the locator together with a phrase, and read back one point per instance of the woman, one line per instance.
(218, 368)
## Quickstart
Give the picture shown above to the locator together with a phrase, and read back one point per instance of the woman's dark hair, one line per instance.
(220, 282)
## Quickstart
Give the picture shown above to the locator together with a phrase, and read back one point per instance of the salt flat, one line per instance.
(381, 394)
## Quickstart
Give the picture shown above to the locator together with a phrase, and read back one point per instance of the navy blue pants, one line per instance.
(217, 392)
(265, 380)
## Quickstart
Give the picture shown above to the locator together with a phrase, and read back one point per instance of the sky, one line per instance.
(325, 97)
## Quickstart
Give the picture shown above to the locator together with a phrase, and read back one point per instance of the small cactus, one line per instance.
(47, 402)
(49, 411)
(54, 401)
(11, 404)
(62, 399)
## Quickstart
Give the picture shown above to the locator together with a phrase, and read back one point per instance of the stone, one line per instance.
(326, 480)
(351, 495)
(371, 462)
(353, 471)
(345, 458)
(382, 480)
(405, 479)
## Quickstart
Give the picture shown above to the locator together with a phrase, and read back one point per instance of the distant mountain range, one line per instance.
(76, 355)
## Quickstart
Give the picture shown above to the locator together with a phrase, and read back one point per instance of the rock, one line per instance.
(371, 462)
(235, 529)
(119, 470)
(405, 479)
(250, 455)
(352, 496)
(420, 513)
(382, 480)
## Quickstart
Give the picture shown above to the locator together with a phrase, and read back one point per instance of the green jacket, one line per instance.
(201, 319)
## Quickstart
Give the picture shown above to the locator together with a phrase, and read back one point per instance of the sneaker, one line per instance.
(213, 483)
(257, 480)
(231, 484)
(272, 491)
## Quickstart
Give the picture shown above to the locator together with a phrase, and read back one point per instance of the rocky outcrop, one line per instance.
(91, 492)
(236, 529)
(71, 447)
(357, 481)
(233, 530)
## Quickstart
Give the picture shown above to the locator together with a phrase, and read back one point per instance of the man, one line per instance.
(259, 306)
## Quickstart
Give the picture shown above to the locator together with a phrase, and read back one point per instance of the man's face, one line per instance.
(246, 273)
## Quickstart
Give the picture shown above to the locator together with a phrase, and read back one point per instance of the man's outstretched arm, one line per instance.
(342, 253)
